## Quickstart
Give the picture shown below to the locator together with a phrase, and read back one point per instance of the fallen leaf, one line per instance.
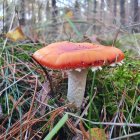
(69, 14)
(16, 34)
(97, 134)
(43, 96)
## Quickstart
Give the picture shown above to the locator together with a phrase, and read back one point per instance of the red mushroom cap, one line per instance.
(68, 55)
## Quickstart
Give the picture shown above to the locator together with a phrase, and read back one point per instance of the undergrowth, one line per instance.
(116, 91)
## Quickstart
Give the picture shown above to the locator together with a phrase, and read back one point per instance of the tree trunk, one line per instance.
(115, 8)
(6, 19)
(54, 28)
(21, 13)
(88, 9)
(109, 17)
(40, 6)
(95, 6)
(95, 12)
(101, 9)
(122, 12)
(48, 10)
(136, 15)
(33, 14)
(136, 11)
(54, 11)
(77, 10)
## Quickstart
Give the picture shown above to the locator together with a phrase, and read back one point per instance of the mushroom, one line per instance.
(76, 58)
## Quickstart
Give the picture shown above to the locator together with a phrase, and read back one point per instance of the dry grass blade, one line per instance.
(86, 109)
(1, 92)
(86, 136)
(43, 96)
(31, 107)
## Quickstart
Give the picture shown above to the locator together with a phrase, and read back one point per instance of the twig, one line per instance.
(1, 92)
(126, 136)
(6, 37)
(29, 113)
(105, 123)
(86, 109)
(83, 130)
(114, 40)
(120, 104)
(48, 76)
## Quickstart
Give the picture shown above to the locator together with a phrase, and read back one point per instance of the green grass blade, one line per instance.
(57, 127)
(90, 96)
(73, 26)
(133, 107)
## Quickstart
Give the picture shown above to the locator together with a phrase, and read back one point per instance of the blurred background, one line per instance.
(26, 104)
(70, 19)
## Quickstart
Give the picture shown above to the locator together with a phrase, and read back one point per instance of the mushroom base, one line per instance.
(76, 86)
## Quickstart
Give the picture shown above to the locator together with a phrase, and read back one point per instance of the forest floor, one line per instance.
(27, 111)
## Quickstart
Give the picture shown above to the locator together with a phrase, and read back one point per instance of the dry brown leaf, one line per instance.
(69, 14)
(85, 134)
(67, 27)
(97, 134)
(43, 96)
(16, 34)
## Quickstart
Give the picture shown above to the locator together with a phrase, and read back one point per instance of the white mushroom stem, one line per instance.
(76, 86)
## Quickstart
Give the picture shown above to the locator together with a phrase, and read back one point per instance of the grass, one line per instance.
(116, 99)
(30, 110)
(113, 94)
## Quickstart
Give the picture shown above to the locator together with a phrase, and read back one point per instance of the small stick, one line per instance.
(47, 74)
(115, 38)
